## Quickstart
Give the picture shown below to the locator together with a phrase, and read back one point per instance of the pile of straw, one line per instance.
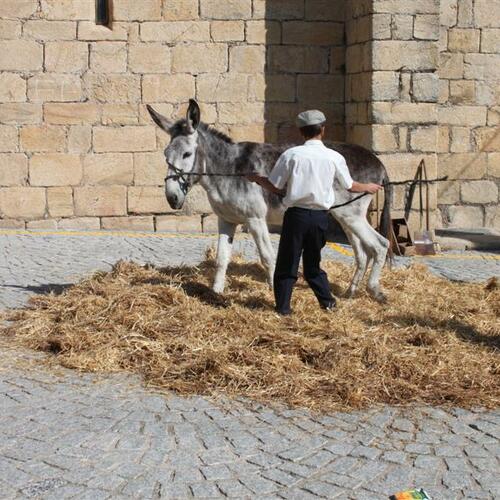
(435, 341)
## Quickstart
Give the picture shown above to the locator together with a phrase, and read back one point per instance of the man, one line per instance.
(305, 175)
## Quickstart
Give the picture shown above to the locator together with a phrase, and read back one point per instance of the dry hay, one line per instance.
(436, 342)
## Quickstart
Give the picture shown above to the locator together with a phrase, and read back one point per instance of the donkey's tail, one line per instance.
(385, 219)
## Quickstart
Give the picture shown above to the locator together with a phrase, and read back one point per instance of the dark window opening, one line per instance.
(103, 12)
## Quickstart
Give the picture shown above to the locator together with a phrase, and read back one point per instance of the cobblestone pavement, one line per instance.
(70, 435)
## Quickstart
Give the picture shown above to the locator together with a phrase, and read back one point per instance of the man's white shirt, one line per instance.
(308, 172)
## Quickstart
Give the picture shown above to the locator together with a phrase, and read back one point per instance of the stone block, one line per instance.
(465, 13)
(324, 10)
(45, 138)
(68, 10)
(44, 224)
(124, 139)
(165, 109)
(12, 9)
(28, 55)
(279, 9)
(120, 114)
(463, 40)
(451, 66)
(402, 166)
(247, 59)
(227, 31)
(465, 217)
(448, 13)
(106, 88)
(241, 113)
(443, 140)
(460, 140)
(108, 57)
(473, 116)
(424, 139)
(60, 201)
(425, 87)
(487, 93)
(132, 10)
(275, 88)
(380, 27)
(150, 169)
(402, 112)
(71, 113)
(492, 217)
(302, 33)
(90, 31)
(462, 92)
(149, 58)
(463, 165)
(426, 27)
(147, 200)
(392, 55)
(298, 59)
(199, 58)
(402, 27)
(486, 13)
(108, 169)
(20, 113)
(479, 192)
(22, 202)
(487, 139)
(309, 87)
(9, 139)
(490, 40)
(384, 86)
(170, 88)
(448, 193)
(482, 66)
(408, 6)
(55, 87)
(80, 224)
(180, 10)
(178, 224)
(98, 201)
(176, 32)
(230, 9)
(45, 31)
(264, 32)
(13, 169)
(226, 87)
(79, 139)
(256, 132)
(128, 223)
(12, 224)
(10, 29)
(66, 57)
(55, 169)
(494, 116)
(444, 91)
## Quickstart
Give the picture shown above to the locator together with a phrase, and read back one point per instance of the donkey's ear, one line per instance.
(162, 122)
(193, 115)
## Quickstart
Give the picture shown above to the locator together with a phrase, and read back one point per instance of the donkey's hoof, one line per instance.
(218, 289)
(378, 296)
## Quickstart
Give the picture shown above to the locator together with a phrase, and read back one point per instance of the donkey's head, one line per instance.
(181, 154)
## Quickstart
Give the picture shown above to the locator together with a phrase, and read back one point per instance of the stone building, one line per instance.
(410, 79)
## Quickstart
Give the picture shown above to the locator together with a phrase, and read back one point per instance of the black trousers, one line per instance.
(303, 232)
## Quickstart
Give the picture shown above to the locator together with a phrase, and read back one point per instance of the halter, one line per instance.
(181, 177)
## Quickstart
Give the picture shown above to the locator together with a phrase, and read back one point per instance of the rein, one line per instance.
(181, 175)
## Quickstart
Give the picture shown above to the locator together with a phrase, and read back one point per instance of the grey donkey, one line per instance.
(197, 148)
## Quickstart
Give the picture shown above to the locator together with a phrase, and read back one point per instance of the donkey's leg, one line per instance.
(260, 233)
(224, 249)
(361, 263)
(375, 247)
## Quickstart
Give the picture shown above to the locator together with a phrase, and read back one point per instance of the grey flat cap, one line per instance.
(311, 117)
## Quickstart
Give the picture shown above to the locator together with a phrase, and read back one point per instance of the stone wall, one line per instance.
(410, 79)
(77, 147)
(469, 112)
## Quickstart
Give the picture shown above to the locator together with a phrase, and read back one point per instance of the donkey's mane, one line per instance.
(180, 128)
(217, 133)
